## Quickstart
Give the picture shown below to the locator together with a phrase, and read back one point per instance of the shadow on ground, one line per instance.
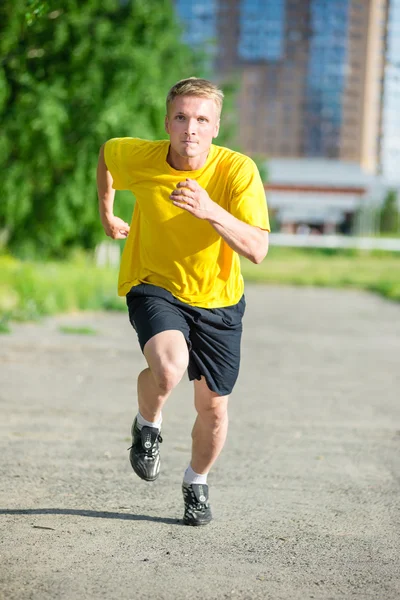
(89, 513)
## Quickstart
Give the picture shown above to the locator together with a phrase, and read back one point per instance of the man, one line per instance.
(198, 207)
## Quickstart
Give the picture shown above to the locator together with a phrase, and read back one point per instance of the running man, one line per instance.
(198, 207)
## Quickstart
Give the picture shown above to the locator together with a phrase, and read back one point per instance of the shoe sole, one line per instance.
(196, 523)
(139, 474)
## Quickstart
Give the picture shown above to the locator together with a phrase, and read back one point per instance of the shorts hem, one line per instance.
(212, 386)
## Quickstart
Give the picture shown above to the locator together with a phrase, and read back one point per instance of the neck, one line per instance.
(185, 163)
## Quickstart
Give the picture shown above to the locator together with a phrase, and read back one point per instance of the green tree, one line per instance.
(69, 80)
(390, 217)
(34, 9)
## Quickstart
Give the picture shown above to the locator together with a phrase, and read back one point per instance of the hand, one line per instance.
(115, 228)
(190, 196)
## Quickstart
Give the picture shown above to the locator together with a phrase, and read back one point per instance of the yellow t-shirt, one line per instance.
(167, 246)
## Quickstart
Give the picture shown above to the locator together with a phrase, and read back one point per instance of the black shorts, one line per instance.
(213, 335)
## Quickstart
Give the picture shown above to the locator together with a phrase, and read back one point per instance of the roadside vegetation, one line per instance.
(30, 289)
(374, 271)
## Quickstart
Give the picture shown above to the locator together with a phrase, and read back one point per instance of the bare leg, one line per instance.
(210, 428)
(167, 356)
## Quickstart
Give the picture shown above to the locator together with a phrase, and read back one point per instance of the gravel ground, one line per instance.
(305, 494)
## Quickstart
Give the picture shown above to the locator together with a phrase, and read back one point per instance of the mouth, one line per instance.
(189, 142)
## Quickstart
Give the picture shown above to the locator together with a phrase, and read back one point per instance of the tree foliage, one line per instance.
(390, 216)
(70, 79)
(35, 9)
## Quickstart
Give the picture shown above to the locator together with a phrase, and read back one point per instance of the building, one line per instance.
(323, 196)
(310, 72)
(390, 129)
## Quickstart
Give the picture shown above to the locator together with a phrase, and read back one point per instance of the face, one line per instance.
(192, 123)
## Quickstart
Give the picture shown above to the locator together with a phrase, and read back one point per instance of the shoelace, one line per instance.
(193, 502)
(149, 445)
(152, 449)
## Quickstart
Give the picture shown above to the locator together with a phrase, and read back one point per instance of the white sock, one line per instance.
(141, 422)
(191, 476)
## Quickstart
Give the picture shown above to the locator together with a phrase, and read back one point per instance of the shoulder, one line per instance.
(130, 144)
(130, 152)
(232, 160)
(236, 167)
(239, 171)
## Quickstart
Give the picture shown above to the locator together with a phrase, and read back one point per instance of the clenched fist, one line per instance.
(115, 227)
(190, 196)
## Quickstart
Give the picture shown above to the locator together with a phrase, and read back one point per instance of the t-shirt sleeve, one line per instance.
(248, 201)
(119, 156)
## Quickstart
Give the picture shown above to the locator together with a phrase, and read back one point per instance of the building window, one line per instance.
(262, 30)
(326, 76)
(199, 19)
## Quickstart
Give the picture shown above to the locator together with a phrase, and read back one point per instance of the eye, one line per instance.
(180, 118)
(202, 120)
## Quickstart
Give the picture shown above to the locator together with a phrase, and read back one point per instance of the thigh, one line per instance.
(167, 352)
(215, 353)
(151, 315)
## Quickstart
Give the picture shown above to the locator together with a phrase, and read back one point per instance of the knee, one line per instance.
(169, 375)
(214, 414)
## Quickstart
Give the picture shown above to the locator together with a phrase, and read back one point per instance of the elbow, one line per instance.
(258, 256)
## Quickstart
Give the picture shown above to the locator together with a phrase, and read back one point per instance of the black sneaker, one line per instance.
(144, 453)
(197, 508)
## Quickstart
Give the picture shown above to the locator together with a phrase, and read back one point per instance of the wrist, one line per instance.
(215, 214)
(106, 217)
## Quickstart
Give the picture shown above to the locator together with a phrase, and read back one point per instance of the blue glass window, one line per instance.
(326, 76)
(262, 29)
(199, 19)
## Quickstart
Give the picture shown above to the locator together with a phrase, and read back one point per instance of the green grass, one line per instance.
(77, 330)
(375, 271)
(30, 290)
(4, 327)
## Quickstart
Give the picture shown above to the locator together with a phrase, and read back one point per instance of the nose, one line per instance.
(191, 128)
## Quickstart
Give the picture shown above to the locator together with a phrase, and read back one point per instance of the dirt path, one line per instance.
(305, 494)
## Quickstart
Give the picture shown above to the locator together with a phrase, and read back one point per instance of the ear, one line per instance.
(216, 129)
(166, 124)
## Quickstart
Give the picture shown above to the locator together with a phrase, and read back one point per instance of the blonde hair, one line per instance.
(194, 86)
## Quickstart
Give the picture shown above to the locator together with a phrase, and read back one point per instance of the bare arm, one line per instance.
(114, 227)
(247, 240)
